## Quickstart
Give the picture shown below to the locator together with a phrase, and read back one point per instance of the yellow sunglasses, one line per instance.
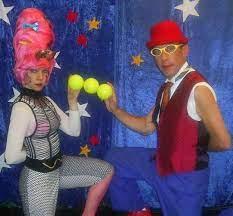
(169, 49)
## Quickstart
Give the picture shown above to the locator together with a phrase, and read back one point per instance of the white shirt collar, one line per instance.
(173, 79)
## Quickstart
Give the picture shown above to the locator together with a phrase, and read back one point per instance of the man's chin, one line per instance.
(169, 74)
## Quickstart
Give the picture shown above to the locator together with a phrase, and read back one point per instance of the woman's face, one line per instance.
(36, 79)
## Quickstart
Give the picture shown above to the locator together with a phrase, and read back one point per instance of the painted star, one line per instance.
(93, 24)
(16, 94)
(82, 40)
(4, 11)
(3, 163)
(82, 110)
(137, 60)
(84, 150)
(94, 140)
(188, 8)
(56, 64)
(72, 16)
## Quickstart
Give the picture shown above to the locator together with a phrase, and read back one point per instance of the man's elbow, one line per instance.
(220, 143)
(147, 132)
(226, 143)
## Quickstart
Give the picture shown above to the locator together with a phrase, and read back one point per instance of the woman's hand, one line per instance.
(72, 96)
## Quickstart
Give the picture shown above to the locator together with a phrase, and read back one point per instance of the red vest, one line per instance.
(182, 141)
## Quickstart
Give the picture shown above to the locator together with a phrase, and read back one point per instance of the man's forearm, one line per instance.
(216, 144)
(135, 123)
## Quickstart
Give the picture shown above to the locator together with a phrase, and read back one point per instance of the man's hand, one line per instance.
(111, 103)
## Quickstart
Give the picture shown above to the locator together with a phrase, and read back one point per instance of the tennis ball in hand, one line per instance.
(104, 91)
(75, 82)
(91, 85)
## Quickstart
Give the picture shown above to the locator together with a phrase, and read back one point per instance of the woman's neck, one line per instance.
(31, 92)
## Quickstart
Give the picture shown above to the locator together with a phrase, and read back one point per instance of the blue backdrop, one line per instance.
(108, 56)
(210, 33)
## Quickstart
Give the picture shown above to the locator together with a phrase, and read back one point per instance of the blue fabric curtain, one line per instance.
(95, 60)
(210, 36)
(107, 57)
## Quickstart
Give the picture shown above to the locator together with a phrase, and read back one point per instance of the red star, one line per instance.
(82, 40)
(72, 16)
(94, 140)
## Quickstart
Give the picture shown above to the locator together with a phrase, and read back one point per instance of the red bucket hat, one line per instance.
(165, 32)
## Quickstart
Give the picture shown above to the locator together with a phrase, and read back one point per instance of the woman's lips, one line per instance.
(39, 85)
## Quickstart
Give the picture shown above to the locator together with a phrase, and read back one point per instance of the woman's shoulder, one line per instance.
(21, 106)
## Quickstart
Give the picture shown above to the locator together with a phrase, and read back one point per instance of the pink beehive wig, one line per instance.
(33, 33)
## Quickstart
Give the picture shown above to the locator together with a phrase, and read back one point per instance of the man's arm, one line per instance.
(142, 124)
(210, 114)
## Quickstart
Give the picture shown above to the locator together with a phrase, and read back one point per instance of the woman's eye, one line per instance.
(46, 72)
(33, 71)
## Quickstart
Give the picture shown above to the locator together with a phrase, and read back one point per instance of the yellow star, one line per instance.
(137, 60)
(84, 150)
(93, 24)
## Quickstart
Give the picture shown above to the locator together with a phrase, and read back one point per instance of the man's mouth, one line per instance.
(166, 65)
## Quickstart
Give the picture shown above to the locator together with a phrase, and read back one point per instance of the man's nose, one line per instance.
(164, 55)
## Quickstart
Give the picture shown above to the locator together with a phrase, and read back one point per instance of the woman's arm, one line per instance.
(71, 123)
(21, 116)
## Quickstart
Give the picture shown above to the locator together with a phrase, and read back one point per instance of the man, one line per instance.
(188, 123)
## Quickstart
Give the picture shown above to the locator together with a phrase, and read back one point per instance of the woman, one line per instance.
(35, 120)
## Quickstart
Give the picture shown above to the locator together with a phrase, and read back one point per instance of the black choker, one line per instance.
(32, 93)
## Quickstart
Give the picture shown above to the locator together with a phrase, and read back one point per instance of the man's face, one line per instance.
(169, 58)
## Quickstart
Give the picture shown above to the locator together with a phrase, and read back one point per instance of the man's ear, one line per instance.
(185, 50)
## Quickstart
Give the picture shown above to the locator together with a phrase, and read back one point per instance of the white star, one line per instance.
(188, 8)
(4, 11)
(57, 65)
(3, 163)
(82, 110)
(16, 94)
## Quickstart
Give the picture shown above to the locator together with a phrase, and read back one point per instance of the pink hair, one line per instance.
(28, 41)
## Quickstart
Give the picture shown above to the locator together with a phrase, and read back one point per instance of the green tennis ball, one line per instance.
(91, 85)
(75, 82)
(104, 91)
